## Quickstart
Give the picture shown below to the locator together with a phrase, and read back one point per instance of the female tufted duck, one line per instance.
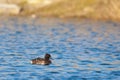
(42, 61)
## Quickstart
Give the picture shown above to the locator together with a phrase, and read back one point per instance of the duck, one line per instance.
(42, 61)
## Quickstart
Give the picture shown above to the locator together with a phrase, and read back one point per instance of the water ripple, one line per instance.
(80, 50)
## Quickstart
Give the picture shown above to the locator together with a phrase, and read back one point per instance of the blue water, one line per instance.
(81, 50)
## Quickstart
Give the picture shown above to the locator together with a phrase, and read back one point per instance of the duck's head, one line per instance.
(47, 56)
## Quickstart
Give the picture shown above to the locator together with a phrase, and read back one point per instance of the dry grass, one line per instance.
(96, 9)
(66, 8)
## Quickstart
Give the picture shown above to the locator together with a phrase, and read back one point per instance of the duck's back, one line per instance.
(43, 61)
(40, 61)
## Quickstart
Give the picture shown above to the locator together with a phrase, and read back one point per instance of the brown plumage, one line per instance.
(42, 61)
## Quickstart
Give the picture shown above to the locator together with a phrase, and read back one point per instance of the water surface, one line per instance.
(81, 50)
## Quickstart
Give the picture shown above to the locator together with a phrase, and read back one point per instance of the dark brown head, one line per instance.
(47, 56)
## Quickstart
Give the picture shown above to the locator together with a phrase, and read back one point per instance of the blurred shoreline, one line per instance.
(82, 9)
